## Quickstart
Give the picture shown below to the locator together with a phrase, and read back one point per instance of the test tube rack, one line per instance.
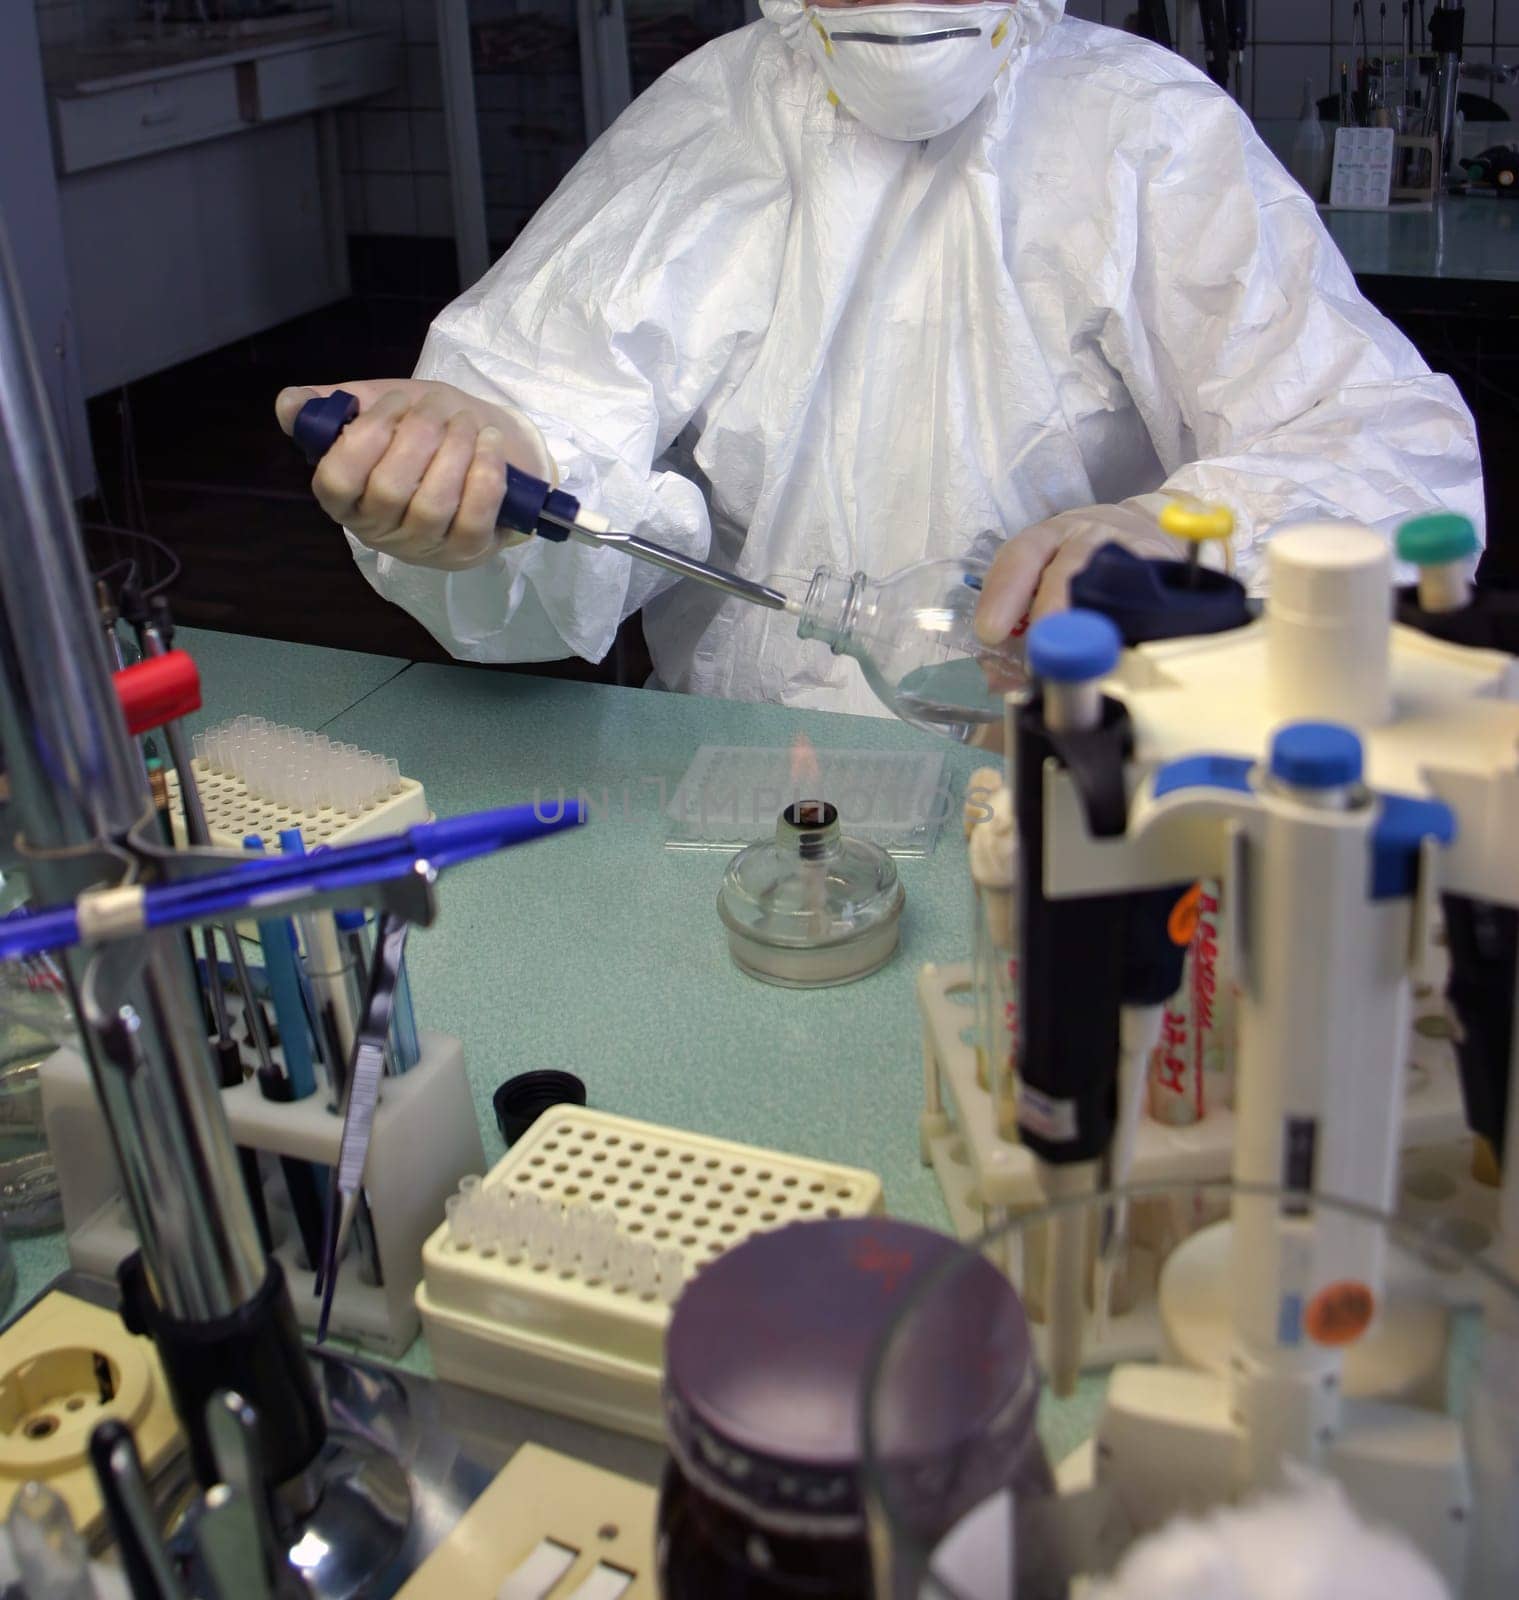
(425, 1138)
(241, 798)
(986, 1175)
(566, 1335)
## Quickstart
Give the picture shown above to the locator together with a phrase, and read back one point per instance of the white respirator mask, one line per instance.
(911, 71)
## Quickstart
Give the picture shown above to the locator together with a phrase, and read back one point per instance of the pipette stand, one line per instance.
(426, 1137)
(986, 1176)
(1332, 851)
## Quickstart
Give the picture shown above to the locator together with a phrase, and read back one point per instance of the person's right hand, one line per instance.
(420, 473)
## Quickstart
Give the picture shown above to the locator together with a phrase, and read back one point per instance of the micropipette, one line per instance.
(534, 507)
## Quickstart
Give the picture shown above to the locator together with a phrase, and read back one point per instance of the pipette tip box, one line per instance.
(551, 1334)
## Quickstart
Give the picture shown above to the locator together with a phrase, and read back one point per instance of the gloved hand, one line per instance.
(420, 473)
(1031, 575)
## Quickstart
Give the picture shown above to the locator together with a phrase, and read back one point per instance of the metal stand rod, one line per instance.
(77, 784)
(202, 1286)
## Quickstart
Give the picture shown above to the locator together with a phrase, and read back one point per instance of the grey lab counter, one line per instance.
(601, 951)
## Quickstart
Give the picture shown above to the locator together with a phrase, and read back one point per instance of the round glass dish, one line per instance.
(811, 907)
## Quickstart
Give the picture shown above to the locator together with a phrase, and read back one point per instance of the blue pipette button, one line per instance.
(1073, 647)
(320, 421)
(1316, 755)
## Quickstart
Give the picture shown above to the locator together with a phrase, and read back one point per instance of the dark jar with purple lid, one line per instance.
(766, 1364)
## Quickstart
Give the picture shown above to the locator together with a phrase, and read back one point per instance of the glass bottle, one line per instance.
(913, 636)
(766, 1361)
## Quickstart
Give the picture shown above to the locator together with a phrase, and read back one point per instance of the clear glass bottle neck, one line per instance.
(832, 608)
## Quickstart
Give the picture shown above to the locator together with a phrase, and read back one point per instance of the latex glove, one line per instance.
(1031, 574)
(420, 473)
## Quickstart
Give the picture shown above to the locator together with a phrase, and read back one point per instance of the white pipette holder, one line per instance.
(426, 1138)
(1328, 909)
(986, 1175)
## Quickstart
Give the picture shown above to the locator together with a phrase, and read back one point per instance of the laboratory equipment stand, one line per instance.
(426, 1138)
(985, 1174)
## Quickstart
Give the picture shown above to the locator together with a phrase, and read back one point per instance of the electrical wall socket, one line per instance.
(65, 1367)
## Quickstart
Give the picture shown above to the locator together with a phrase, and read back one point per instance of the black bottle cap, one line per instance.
(520, 1101)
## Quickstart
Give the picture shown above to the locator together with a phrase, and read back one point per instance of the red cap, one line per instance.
(159, 690)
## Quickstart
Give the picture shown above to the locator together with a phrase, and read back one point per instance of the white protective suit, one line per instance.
(748, 323)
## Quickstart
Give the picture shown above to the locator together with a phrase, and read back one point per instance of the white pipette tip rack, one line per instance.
(257, 776)
(551, 1280)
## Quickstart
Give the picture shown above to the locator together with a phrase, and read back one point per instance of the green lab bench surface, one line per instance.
(600, 951)
(1460, 239)
(302, 685)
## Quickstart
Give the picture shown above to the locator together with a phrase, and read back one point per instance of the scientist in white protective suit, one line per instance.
(863, 283)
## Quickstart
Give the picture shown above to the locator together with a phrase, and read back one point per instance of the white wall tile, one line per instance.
(350, 149)
(57, 24)
(424, 77)
(421, 20)
(385, 141)
(1291, 21)
(435, 207)
(429, 144)
(355, 217)
(377, 13)
(1280, 70)
(390, 203)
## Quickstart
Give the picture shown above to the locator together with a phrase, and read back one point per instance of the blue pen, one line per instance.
(264, 887)
(283, 974)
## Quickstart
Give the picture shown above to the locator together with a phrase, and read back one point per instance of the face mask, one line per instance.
(910, 71)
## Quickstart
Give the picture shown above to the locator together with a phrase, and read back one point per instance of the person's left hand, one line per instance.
(1031, 575)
